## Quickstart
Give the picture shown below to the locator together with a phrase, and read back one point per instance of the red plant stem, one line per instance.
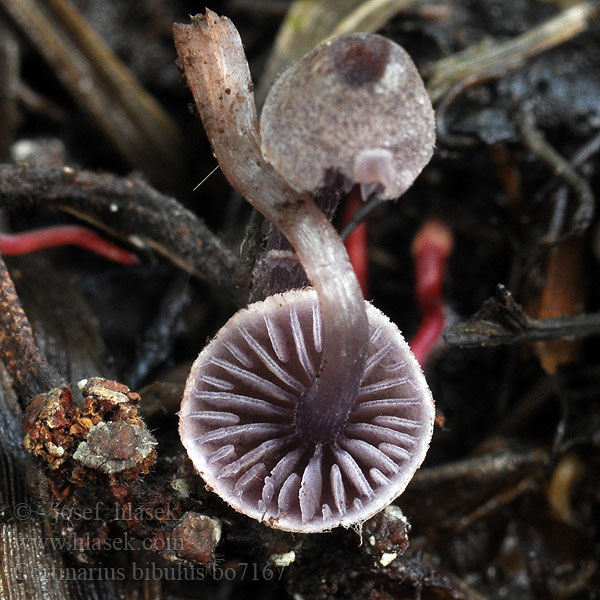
(430, 249)
(428, 334)
(60, 235)
(356, 242)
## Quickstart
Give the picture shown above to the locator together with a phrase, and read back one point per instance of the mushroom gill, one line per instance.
(242, 404)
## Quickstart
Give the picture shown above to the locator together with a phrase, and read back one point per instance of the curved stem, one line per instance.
(321, 414)
(218, 76)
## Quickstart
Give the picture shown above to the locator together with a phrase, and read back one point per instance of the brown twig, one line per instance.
(537, 143)
(494, 504)
(489, 467)
(30, 372)
(102, 86)
(502, 321)
(9, 81)
(126, 207)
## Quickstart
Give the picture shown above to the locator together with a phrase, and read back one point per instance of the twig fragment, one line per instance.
(560, 195)
(102, 86)
(30, 372)
(487, 468)
(537, 143)
(501, 321)
(490, 60)
(125, 207)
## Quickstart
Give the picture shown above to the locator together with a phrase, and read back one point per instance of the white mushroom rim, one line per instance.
(237, 419)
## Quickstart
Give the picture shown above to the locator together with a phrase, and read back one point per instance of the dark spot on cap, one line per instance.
(360, 60)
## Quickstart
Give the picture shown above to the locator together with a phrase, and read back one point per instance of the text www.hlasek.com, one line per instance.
(87, 543)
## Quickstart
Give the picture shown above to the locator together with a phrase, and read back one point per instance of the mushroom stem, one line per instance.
(278, 268)
(217, 73)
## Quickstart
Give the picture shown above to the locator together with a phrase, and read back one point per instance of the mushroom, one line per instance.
(355, 105)
(353, 111)
(249, 394)
(307, 410)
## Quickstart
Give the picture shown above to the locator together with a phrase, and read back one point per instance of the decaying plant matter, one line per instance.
(496, 243)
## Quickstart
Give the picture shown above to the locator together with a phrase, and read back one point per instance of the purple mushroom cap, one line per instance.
(238, 415)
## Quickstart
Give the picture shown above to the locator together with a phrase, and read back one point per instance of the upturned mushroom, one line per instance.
(261, 438)
(356, 106)
(307, 410)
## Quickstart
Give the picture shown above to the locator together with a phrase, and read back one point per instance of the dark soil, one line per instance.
(507, 504)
